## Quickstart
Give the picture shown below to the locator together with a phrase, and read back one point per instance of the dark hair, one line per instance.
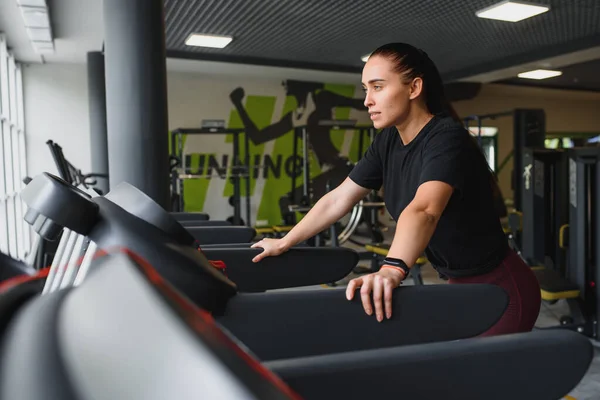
(411, 63)
(415, 63)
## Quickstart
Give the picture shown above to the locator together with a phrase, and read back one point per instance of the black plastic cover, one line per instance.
(540, 365)
(205, 223)
(31, 366)
(294, 268)
(298, 323)
(190, 217)
(137, 203)
(9, 267)
(144, 341)
(221, 234)
(54, 204)
(184, 267)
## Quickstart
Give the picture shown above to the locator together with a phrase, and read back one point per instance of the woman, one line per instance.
(438, 188)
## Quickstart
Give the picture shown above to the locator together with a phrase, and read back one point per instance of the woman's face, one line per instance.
(388, 97)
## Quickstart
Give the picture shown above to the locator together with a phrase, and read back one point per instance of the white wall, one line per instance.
(56, 108)
(56, 105)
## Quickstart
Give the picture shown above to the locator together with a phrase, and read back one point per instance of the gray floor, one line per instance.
(589, 387)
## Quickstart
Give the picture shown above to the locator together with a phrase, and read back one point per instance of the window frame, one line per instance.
(15, 233)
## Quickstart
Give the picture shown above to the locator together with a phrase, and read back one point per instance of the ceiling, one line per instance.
(332, 35)
(335, 34)
(582, 76)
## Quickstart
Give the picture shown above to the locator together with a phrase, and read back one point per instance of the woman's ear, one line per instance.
(416, 87)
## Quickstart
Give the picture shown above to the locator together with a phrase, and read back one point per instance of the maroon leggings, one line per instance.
(521, 285)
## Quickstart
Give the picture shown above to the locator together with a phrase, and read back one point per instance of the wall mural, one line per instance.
(271, 134)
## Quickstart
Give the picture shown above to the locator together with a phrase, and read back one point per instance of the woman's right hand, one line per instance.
(271, 247)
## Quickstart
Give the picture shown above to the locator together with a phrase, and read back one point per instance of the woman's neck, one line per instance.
(413, 124)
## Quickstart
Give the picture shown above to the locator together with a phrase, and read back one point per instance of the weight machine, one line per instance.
(529, 130)
(239, 170)
(302, 201)
(560, 230)
(70, 173)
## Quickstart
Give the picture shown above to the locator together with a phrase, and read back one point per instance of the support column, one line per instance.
(136, 96)
(97, 110)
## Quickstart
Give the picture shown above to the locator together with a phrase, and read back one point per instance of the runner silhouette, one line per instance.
(315, 104)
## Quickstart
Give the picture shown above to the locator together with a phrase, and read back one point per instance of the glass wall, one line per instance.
(15, 234)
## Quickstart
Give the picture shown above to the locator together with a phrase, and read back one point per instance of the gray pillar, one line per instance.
(97, 109)
(136, 96)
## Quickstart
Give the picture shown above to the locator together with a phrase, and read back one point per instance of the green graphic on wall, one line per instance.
(307, 105)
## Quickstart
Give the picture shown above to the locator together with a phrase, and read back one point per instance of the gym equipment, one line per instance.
(230, 244)
(529, 130)
(294, 268)
(302, 198)
(69, 173)
(127, 217)
(545, 230)
(94, 351)
(301, 317)
(205, 223)
(222, 234)
(467, 369)
(309, 190)
(190, 217)
(106, 226)
(248, 276)
(10, 268)
(545, 207)
(240, 169)
(45, 198)
(43, 250)
(472, 308)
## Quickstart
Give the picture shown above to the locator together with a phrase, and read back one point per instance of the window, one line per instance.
(15, 239)
(488, 141)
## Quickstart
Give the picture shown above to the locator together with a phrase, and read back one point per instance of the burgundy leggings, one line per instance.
(522, 287)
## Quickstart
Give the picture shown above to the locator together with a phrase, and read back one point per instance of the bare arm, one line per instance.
(328, 210)
(414, 229)
(418, 221)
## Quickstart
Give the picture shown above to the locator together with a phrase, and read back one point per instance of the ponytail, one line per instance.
(412, 63)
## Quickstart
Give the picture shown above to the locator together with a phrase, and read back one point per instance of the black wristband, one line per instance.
(396, 262)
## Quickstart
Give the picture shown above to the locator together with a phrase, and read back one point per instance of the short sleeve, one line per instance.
(368, 171)
(444, 158)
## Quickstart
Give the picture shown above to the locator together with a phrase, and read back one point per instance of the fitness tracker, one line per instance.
(398, 263)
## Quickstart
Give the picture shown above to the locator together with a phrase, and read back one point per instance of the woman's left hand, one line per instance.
(381, 283)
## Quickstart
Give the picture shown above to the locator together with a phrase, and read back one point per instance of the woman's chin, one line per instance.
(379, 124)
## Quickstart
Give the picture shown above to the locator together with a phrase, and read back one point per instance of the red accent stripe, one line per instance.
(218, 264)
(21, 279)
(42, 273)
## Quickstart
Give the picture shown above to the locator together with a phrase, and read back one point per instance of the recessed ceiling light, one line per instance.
(365, 58)
(539, 74)
(512, 11)
(217, 42)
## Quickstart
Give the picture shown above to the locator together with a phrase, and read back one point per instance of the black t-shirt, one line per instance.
(468, 239)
